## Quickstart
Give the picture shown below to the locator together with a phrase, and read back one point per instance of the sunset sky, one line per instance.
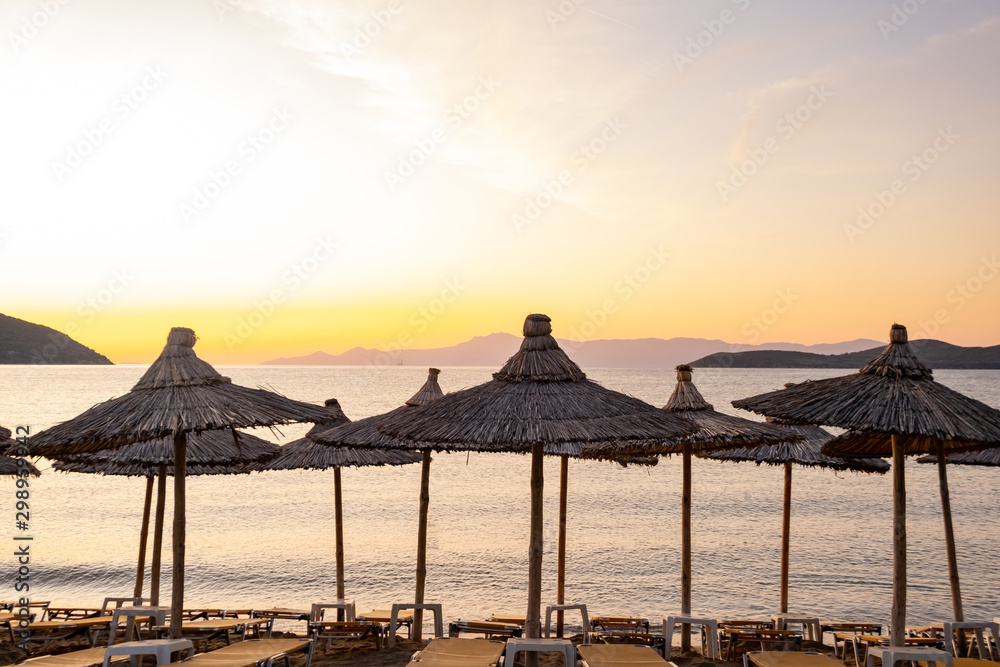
(291, 176)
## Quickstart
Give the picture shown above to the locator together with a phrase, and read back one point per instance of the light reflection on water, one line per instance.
(264, 540)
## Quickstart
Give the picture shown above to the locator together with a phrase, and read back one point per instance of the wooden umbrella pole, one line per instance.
(140, 573)
(180, 506)
(898, 543)
(338, 511)
(561, 575)
(425, 501)
(533, 625)
(154, 568)
(786, 530)
(949, 536)
(685, 546)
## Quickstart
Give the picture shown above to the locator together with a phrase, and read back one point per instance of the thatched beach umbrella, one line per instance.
(804, 453)
(208, 453)
(894, 395)
(309, 453)
(361, 438)
(539, 397)
(9, 464)
(714, 430)
(177, 395)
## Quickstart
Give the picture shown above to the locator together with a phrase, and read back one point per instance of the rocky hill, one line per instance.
(22, 342)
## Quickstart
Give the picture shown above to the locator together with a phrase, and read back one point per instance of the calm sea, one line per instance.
(267, 539)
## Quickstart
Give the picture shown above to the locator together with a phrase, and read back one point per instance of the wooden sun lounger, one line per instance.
(843, 633)
(862, 642)
(487, 628)
(384, 616)
(787, 659)
(620, 655)
(330, 630)
(46, 631)
(72, 613)
(207, 629)
(737, 635)
(250, 653)
(452, 652)
(87, 657)
(214, 612)
(513, 619)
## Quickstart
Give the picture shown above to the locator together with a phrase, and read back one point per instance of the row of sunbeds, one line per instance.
(630, 638)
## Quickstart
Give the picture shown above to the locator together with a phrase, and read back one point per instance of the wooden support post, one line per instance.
(154, 568)
(685, 546)
(786, 530)
(533, 625)
(898, 619)
(140, 573)
(561, 574)
(180, 506)
(425, 501)
(949, 539)
(338, 511)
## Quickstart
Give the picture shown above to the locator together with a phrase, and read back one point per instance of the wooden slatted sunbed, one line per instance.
(621, 655)
(454, 652)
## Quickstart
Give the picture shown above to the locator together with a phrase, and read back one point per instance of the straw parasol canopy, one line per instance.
(310, 453)
(179, 394)
(894, 395)
(806, 452)
(360, 438)
(538, 397)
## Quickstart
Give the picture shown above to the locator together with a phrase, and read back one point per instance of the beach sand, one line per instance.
(363, 654)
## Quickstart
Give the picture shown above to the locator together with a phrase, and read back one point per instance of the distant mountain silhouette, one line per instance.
(494, 349)
(22, 342)
(933, 353)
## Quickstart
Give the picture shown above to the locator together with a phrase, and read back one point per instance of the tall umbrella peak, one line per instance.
(178, 365)
(540, 358)
(685, 395)
(429, 392)
(898, 359)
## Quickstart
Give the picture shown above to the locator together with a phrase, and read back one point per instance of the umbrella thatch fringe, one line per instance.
(853, 444)
(8, 464)
(804, 453)
(311, 455)
(985, 457)
(139, 470)
(902, 401)
(540, 358)
(10, 468)
(205, 448)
